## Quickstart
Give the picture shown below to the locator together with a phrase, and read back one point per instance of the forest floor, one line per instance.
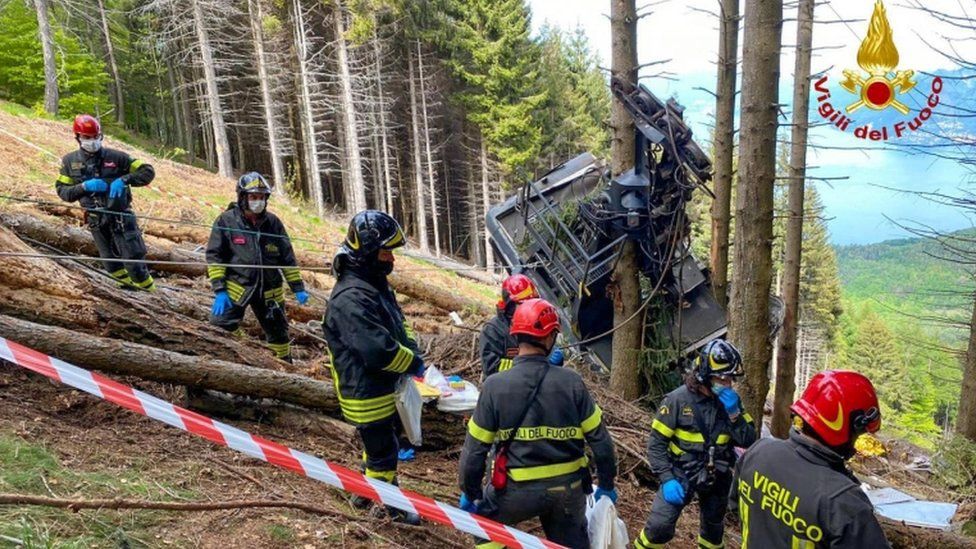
(61, 443)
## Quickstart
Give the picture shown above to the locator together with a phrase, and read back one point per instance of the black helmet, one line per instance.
(718, 357)
(371, 231)
(252, 182)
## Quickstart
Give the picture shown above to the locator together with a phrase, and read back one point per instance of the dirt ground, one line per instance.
(89, 436)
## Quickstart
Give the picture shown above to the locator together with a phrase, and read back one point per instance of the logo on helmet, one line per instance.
(838, 423)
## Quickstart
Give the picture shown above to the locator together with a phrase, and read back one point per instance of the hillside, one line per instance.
(907, 277)
(59, 443)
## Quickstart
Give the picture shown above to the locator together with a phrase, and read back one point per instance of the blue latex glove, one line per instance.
(730, 399)
(406, 454)
(673, 492)
(420, 369)
(302, 297)
(466, 504)
(221, 304)
(556, 357)
(95, 185)
(117, 189)
(600, 493)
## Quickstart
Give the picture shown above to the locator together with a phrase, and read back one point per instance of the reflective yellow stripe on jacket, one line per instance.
(366, 410)
(292, 274)
(401, 361)
(540, 472)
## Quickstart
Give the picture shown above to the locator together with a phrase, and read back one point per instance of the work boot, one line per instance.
(404, 517)
(359, 502)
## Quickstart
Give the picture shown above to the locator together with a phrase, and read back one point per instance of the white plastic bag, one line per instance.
(451, 399)
(605, 528)
(410, 406)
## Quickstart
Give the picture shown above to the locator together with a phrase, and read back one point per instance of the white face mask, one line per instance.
(91, 145)
(256, 206)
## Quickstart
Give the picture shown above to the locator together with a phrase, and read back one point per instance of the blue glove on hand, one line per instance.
(420, 369)
(673, 492)
(117, 189)
(466, 504)
(556, 357)
(95, 185)
(302, 297)
(221, 304)
(600, 492)
(730, 399)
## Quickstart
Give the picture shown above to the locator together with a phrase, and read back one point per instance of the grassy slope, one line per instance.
(26, 171)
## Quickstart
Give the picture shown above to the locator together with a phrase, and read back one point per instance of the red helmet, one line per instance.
(839, 406)
(87, 125)
(517, 288)
(535, 317)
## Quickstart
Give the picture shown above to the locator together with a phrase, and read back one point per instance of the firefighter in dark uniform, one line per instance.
(691, 449)
(798, 493)
(99, 178)
(540, 470)
(246, 233)
(370, 343)
(498, 347)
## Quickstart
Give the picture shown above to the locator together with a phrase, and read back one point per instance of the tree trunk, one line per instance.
(356, 188)
(752, 264)
(132, 359)
(117, 94)
(306, 116)
(221, 144)
(179, 125)
(42, 290)
(786, 355)
(77, 240)
(474, 242)
(257, 33)
(434, 213)
(966, 420)
(50, 63)
(728, 44)
(486, 205)
(383, 130)
(624, 372)
(418, 178)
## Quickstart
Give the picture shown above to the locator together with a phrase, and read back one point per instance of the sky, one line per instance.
(856, 180)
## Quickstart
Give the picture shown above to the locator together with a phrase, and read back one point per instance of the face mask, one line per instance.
(91, 145)
(384, 267)
(256, 206)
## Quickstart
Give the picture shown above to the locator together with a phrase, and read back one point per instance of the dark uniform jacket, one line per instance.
(497, 346)
(798, 493)
(107, 164)
(677, 446)
(370, 344)
(233, 240)
(549, 443)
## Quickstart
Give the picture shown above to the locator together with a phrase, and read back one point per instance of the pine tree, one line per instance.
(497, 61)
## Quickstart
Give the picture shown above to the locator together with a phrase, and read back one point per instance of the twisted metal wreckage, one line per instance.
(565, 232)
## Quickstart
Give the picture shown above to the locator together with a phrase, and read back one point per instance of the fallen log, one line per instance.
(67, 295)
(126, 358)
(77, 240)
(73, 239)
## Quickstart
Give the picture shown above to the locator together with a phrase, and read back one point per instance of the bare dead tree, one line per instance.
(752, 278)
(786, 354)
(724, 146)
(46, 37)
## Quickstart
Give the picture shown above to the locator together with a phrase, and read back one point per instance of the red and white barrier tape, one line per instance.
(266, 450)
